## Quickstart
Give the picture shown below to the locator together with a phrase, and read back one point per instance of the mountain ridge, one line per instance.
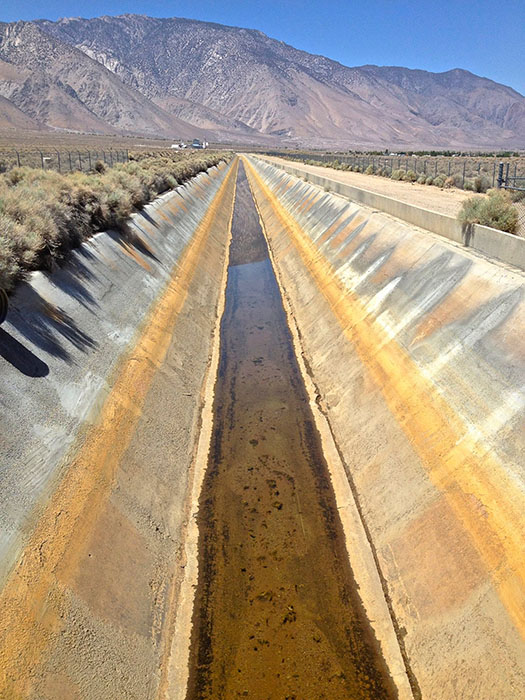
(231, 83)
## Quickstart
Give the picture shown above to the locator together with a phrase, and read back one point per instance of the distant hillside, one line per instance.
(55, 84)
(184, 78)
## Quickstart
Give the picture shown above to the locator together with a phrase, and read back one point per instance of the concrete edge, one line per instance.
(490, 242)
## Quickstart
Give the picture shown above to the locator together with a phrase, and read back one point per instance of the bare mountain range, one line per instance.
(182, 78)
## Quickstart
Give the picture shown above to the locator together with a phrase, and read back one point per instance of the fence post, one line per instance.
(493, 173)
(42, 160)
(18, 158)
(70, 162)
(464, 170)
(89, 158)
(59, 163)
(79, 161)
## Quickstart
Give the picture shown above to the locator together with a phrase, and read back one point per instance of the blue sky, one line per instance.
(482, 36)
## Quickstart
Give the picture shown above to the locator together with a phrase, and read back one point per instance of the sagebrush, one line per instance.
(44, 214)
(495, 210)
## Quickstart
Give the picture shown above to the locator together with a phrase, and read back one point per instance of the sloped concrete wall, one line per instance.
(497, 245)
(417, 350)
(103, 364)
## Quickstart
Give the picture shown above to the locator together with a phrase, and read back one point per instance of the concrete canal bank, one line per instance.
(416, 348)
(103, 369)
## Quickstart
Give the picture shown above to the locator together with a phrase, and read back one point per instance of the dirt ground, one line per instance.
(443, 201)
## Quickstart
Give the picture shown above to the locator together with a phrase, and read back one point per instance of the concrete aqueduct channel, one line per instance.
(274, 450)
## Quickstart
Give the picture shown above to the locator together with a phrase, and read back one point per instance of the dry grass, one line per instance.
(44, 214)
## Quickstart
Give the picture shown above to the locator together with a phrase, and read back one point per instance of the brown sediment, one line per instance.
(277, 613)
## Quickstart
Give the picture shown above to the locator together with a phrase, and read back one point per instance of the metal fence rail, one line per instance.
(60, 160)
(463, 170)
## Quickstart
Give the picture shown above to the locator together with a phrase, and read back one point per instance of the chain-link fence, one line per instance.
(520, 206)
(60, 159)
(465, 172)
(515, 185)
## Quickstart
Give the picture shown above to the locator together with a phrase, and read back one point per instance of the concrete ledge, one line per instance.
(495, 244)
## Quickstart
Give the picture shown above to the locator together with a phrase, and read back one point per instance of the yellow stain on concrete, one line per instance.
(461, 464)
(33, 601)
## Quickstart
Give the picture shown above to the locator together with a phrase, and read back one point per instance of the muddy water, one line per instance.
(277, 614)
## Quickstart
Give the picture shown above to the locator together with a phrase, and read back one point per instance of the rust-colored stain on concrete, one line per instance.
(115, 546)
(442, 567)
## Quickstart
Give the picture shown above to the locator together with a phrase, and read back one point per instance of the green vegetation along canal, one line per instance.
(277, 614)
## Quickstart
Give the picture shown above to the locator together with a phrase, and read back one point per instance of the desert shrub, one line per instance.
(422, 179)
(481, 184)
(370, 170)
(439, 180)
(468, 185)
(429, 180)
(100, 166)
(398, 175)
(44, 214)
(19, 249)
(410, 176)
(16, 175)
(495, 210)
(517, 196)
(379, 171)
(449, 182)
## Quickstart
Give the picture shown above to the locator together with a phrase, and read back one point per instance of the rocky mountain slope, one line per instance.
(238, 84)
(59, 86)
